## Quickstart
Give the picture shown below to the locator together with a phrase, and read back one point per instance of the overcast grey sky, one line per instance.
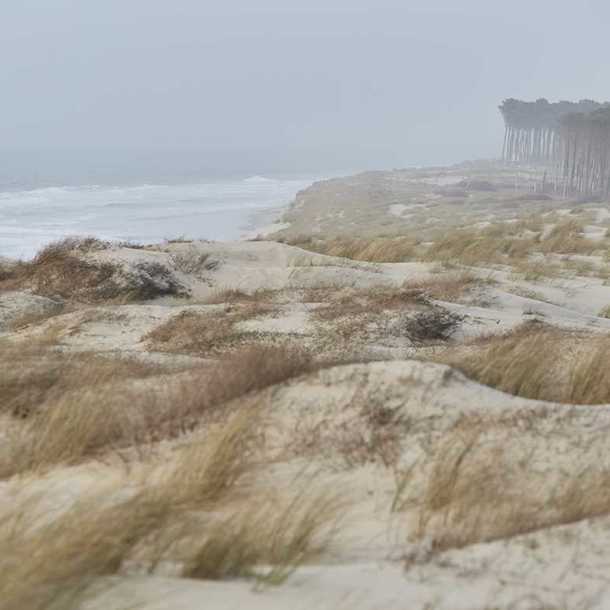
(264, 85)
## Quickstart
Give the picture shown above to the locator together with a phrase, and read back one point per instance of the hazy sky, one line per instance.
(263, 85)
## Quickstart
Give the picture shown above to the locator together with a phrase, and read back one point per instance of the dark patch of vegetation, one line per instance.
(436, 324)
(153, 280)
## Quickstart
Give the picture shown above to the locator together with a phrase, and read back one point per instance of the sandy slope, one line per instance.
(374, 562)
(268, 266)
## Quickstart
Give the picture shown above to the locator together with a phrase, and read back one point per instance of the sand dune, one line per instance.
(402, 401)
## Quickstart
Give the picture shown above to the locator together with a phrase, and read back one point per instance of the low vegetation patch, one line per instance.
(268, 539)
(62, 269)
(511, 243)
(257, 367)
(489, 479)
(35, 317)
(381, 314)
(375, 250)
(54, 562)
(451, 287)
(540, 362)
(192, 332)
(567, 237)
(193, 262)
(9, 270)
(411, 296)
(63, 409)
(197, 509)
(435, 324)
(374, 301)
(32, 374)
(232, 295)
(535, 269)
(499, 243)
(205, 333)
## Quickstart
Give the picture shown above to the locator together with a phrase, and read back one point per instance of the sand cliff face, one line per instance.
(409, 408)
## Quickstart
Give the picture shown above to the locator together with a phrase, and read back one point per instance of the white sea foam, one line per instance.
(144, 213)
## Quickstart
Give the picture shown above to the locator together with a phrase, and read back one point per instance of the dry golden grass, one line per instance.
(33, 374)
(193, 333)
(348, 316)
(540, 362)
(268, 539)
(498, 243)
(580, 267)
(200, 333)
(34, 318)
(479, 485)
(57, 270)
(7, 271)
(50, 562)
(232, 295)
(511, 243)
(535, 269)
(19, 274)
(64, 409)
(65, 434)
(69, 409)
(375, 249)
(60, 270)
(199, 512)
(374, 302)
(567, 237)
(449, 287)
(353, 303)
(256, 367)
(205, 395)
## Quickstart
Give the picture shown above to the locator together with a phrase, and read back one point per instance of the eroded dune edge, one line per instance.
(399, 399)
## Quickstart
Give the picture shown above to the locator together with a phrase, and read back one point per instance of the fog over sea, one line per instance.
(146, 213)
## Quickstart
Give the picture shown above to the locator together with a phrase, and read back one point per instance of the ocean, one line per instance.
(146, 213)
